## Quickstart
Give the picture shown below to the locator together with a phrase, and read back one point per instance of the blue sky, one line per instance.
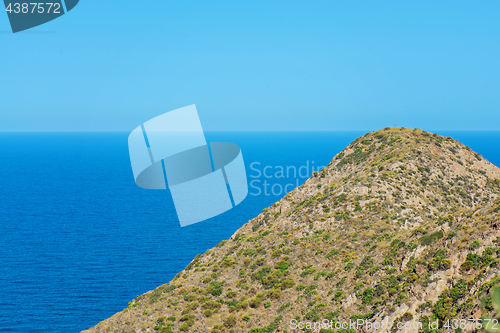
(256, 65)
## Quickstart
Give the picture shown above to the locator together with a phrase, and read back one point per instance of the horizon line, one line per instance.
(346, 130)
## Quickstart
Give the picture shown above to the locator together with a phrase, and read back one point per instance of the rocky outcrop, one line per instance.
(401, 227)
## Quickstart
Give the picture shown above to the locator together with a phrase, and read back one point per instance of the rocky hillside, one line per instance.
(403, 226)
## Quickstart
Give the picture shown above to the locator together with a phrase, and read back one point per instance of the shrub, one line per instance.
(488, 251)
(230, 321)
(228, 262)
(475, 244)
(388, 261)
(282, 265)
(212, 305)
(367, 296)
(255, 302)
(445, 264)
(207, 312)
(311, 290)
(374, 269)
(412, 246)
(267, 304)
(341, 282)
(188, 318)
(184, 327)
(274, 293)
(332, 253)
(283, 306)
(428, 240)
(359, 286)
(433, 264)
(276, 253)
(412, 278)
(287, 283)
(407, 316)
(322, 273)
(349, 266)
(466, 266)
(215, 288)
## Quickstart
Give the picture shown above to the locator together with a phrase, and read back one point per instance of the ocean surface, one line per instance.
(79, 239)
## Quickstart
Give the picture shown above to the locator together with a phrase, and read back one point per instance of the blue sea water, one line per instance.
(79, 239)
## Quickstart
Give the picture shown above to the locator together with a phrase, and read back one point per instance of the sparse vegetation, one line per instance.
(396, 216)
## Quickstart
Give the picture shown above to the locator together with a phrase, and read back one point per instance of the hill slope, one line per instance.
(401, 226)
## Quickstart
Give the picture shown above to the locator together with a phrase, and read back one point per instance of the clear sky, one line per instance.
(256, 65)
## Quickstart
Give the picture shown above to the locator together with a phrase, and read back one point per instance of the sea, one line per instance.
(79, 240)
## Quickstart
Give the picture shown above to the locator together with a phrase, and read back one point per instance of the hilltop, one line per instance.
(401, 226)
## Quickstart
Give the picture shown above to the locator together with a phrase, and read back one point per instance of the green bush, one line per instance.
(255, 302)
(466, 266)
(445, 264)
(407, 316)
(374, 269)
(300, 287)
(230, 321)
(188, 318)
(349, 266)
(287, 283)
(283, 306)
(228, 262)
(212, 305)
(412, 278)
(274, 293)
(475, 244)
(215, 288)
(488, 251)
(428, 240)
(367, 296)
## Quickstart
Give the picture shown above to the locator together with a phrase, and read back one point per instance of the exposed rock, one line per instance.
(401, 224)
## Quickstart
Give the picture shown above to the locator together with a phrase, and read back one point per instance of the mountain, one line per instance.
(401, 228)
